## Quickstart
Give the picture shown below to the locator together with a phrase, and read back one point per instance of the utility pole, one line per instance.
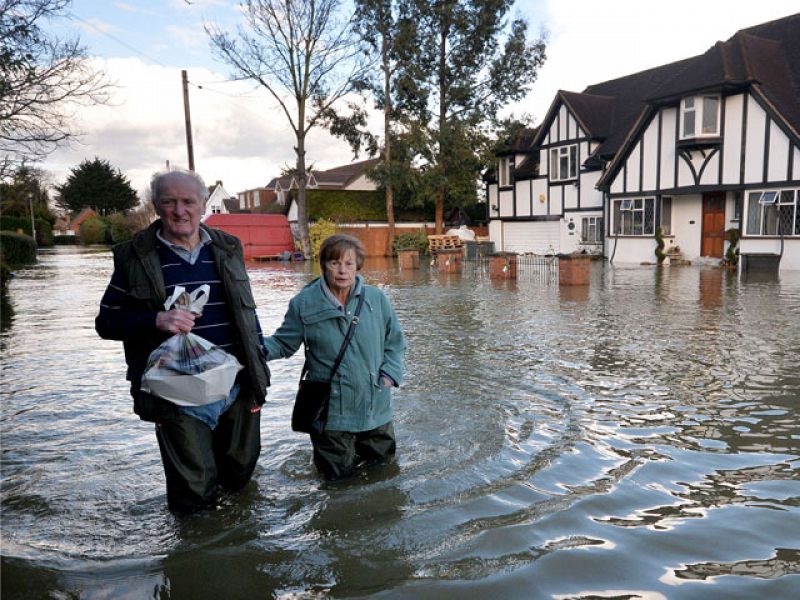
(188, 118)
(33, 224)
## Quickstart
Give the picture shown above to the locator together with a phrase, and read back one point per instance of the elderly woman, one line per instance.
(359, 427)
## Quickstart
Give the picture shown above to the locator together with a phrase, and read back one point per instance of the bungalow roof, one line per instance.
(335, 178)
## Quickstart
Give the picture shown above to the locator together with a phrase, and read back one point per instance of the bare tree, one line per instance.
(306, 57)
(42, 80)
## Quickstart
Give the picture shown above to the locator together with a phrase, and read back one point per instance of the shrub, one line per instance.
(318, 233)
(120, 227)
(416, 240)
(660, 255)
(11, 223)
(732, 255)
(5, 275)
(93, 231)
(17, 248)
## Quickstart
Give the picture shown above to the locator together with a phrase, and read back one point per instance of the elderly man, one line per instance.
(202, 448)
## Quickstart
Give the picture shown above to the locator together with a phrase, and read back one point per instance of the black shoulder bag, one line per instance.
(310, 413)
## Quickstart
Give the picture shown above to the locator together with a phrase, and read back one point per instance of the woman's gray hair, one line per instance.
(335, 246)
(160, 176)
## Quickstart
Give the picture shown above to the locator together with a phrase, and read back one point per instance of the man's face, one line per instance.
(180, 209)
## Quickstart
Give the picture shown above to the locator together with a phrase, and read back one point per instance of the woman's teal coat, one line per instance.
(359, 400)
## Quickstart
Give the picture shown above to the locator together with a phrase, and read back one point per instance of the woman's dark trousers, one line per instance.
(338, 454)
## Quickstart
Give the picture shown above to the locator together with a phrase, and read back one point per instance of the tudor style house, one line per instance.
(699, 148)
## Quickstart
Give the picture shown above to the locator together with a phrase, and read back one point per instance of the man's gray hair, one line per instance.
(155, 183)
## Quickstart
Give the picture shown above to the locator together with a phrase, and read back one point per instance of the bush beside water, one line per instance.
(93, 231)
(15, 249)
(417, 240)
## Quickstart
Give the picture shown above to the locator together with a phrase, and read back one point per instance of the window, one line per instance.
(773, 212)
(666, 215)
(634, 216)
(504, 171)
(702, 111)
(564, 163)
(592, 230)
(737, 206)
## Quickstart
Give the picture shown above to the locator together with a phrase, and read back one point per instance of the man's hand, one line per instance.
(175, 321)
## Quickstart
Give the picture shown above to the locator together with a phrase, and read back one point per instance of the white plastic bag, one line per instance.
(187, 369)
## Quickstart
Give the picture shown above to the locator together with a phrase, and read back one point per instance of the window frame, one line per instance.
(504, 171)
(592, 223)
(768, 210)
(636, 221)
(698, 108)
(665, 215)
(558, 155)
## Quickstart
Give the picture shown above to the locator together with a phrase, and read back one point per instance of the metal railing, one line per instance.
(541, 268)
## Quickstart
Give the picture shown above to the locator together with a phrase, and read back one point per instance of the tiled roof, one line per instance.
(766, 56)
(594, 112)
(629, 101)
(529, 167)
(336, 178)
(521, 142)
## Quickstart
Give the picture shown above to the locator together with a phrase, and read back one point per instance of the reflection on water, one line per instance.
(637, 437)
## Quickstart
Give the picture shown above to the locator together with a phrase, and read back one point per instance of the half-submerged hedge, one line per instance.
(17, 248)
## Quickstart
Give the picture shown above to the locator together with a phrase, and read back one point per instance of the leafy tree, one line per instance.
(379, 28)
(306, 57)
(41, 77)
(468, 65)
(93, 231)
(23, 190)
(95, 184)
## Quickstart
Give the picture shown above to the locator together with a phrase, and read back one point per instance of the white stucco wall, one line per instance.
(539, 237)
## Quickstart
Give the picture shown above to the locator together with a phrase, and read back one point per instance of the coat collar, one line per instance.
(145, 241)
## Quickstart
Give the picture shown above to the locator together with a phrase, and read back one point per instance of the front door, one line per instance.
(713, 232)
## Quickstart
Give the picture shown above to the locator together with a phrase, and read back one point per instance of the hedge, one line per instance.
(417, 240)
(351, 206)
(11, 223)
(93, 231)
(17, 249)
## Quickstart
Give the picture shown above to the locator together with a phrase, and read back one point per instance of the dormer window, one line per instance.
(564, 163)
(504, 171)
(700, 116)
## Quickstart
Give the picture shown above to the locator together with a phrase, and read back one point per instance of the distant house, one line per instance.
(216, 203)
(697, 148)
(346, 178)
(254, 199)
(75, 223)
(61, 225)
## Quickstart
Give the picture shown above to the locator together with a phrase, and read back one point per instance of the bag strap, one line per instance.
(347, 337)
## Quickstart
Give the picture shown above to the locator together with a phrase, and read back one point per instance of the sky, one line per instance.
(241, 138)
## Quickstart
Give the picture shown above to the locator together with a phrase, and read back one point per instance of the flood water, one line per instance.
(636, 438)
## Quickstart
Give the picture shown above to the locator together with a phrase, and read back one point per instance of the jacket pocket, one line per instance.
(245, 293)
(381, 394)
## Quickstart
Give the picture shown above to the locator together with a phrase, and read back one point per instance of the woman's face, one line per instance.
(340, 273)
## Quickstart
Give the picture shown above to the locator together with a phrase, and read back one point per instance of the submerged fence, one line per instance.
(536, 267)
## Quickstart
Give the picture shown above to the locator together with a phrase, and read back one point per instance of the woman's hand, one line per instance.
(386, 381)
